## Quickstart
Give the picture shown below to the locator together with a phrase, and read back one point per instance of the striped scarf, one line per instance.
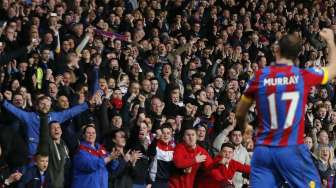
(111, 35)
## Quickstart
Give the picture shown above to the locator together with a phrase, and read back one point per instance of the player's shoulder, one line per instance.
(258, 74)
(283, 68)
(313, 70)
(264, 70)
(286, 69)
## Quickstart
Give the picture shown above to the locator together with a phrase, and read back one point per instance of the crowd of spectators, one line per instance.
(142, 93)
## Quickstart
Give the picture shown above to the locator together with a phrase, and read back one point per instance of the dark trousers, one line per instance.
(160, 184)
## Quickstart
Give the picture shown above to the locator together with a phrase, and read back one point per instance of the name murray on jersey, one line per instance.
(281, 81)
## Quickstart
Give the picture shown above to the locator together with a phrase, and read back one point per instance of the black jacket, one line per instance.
(140, 172)
(161, 166)
(121, 176)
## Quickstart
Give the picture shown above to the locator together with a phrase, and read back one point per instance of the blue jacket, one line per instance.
(90, 171)
(32, 120)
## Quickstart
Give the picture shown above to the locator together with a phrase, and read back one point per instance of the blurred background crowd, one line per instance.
(142, 93)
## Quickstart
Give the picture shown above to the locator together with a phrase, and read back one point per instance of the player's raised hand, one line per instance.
(328, 35)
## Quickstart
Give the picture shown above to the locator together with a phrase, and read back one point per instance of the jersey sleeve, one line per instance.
(315, 76)
(250, 90)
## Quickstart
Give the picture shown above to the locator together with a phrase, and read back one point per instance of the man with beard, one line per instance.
(31, 119)
(240, 154)
(113, 70)
(146, 88)
(53, 91)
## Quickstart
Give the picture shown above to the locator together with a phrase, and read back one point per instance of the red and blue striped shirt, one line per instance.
(280, 92)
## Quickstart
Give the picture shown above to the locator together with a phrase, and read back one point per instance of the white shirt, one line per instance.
(241, 155)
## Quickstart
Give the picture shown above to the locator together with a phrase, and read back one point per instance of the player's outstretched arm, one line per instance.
(241, 112)
(328, 36)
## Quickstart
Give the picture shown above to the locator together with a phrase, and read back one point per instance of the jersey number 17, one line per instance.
(293, 97)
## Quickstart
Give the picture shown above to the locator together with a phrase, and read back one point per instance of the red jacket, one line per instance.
(184, 157)
(221, 175)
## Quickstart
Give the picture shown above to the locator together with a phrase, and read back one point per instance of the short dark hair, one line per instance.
(202, 125)
(290, 46)
(187, 125)
(41, 155)
(235, 130)
(53, 122)
(114, 133)
(17, 93)
(228, 144)
(43, 97)
(166, 126)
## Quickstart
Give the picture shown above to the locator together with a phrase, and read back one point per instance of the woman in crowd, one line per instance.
(326, 164)
(120, 174)
(91, 163)
(140, 165)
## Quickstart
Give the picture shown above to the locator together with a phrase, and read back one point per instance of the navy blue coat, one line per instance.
(32, 178)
